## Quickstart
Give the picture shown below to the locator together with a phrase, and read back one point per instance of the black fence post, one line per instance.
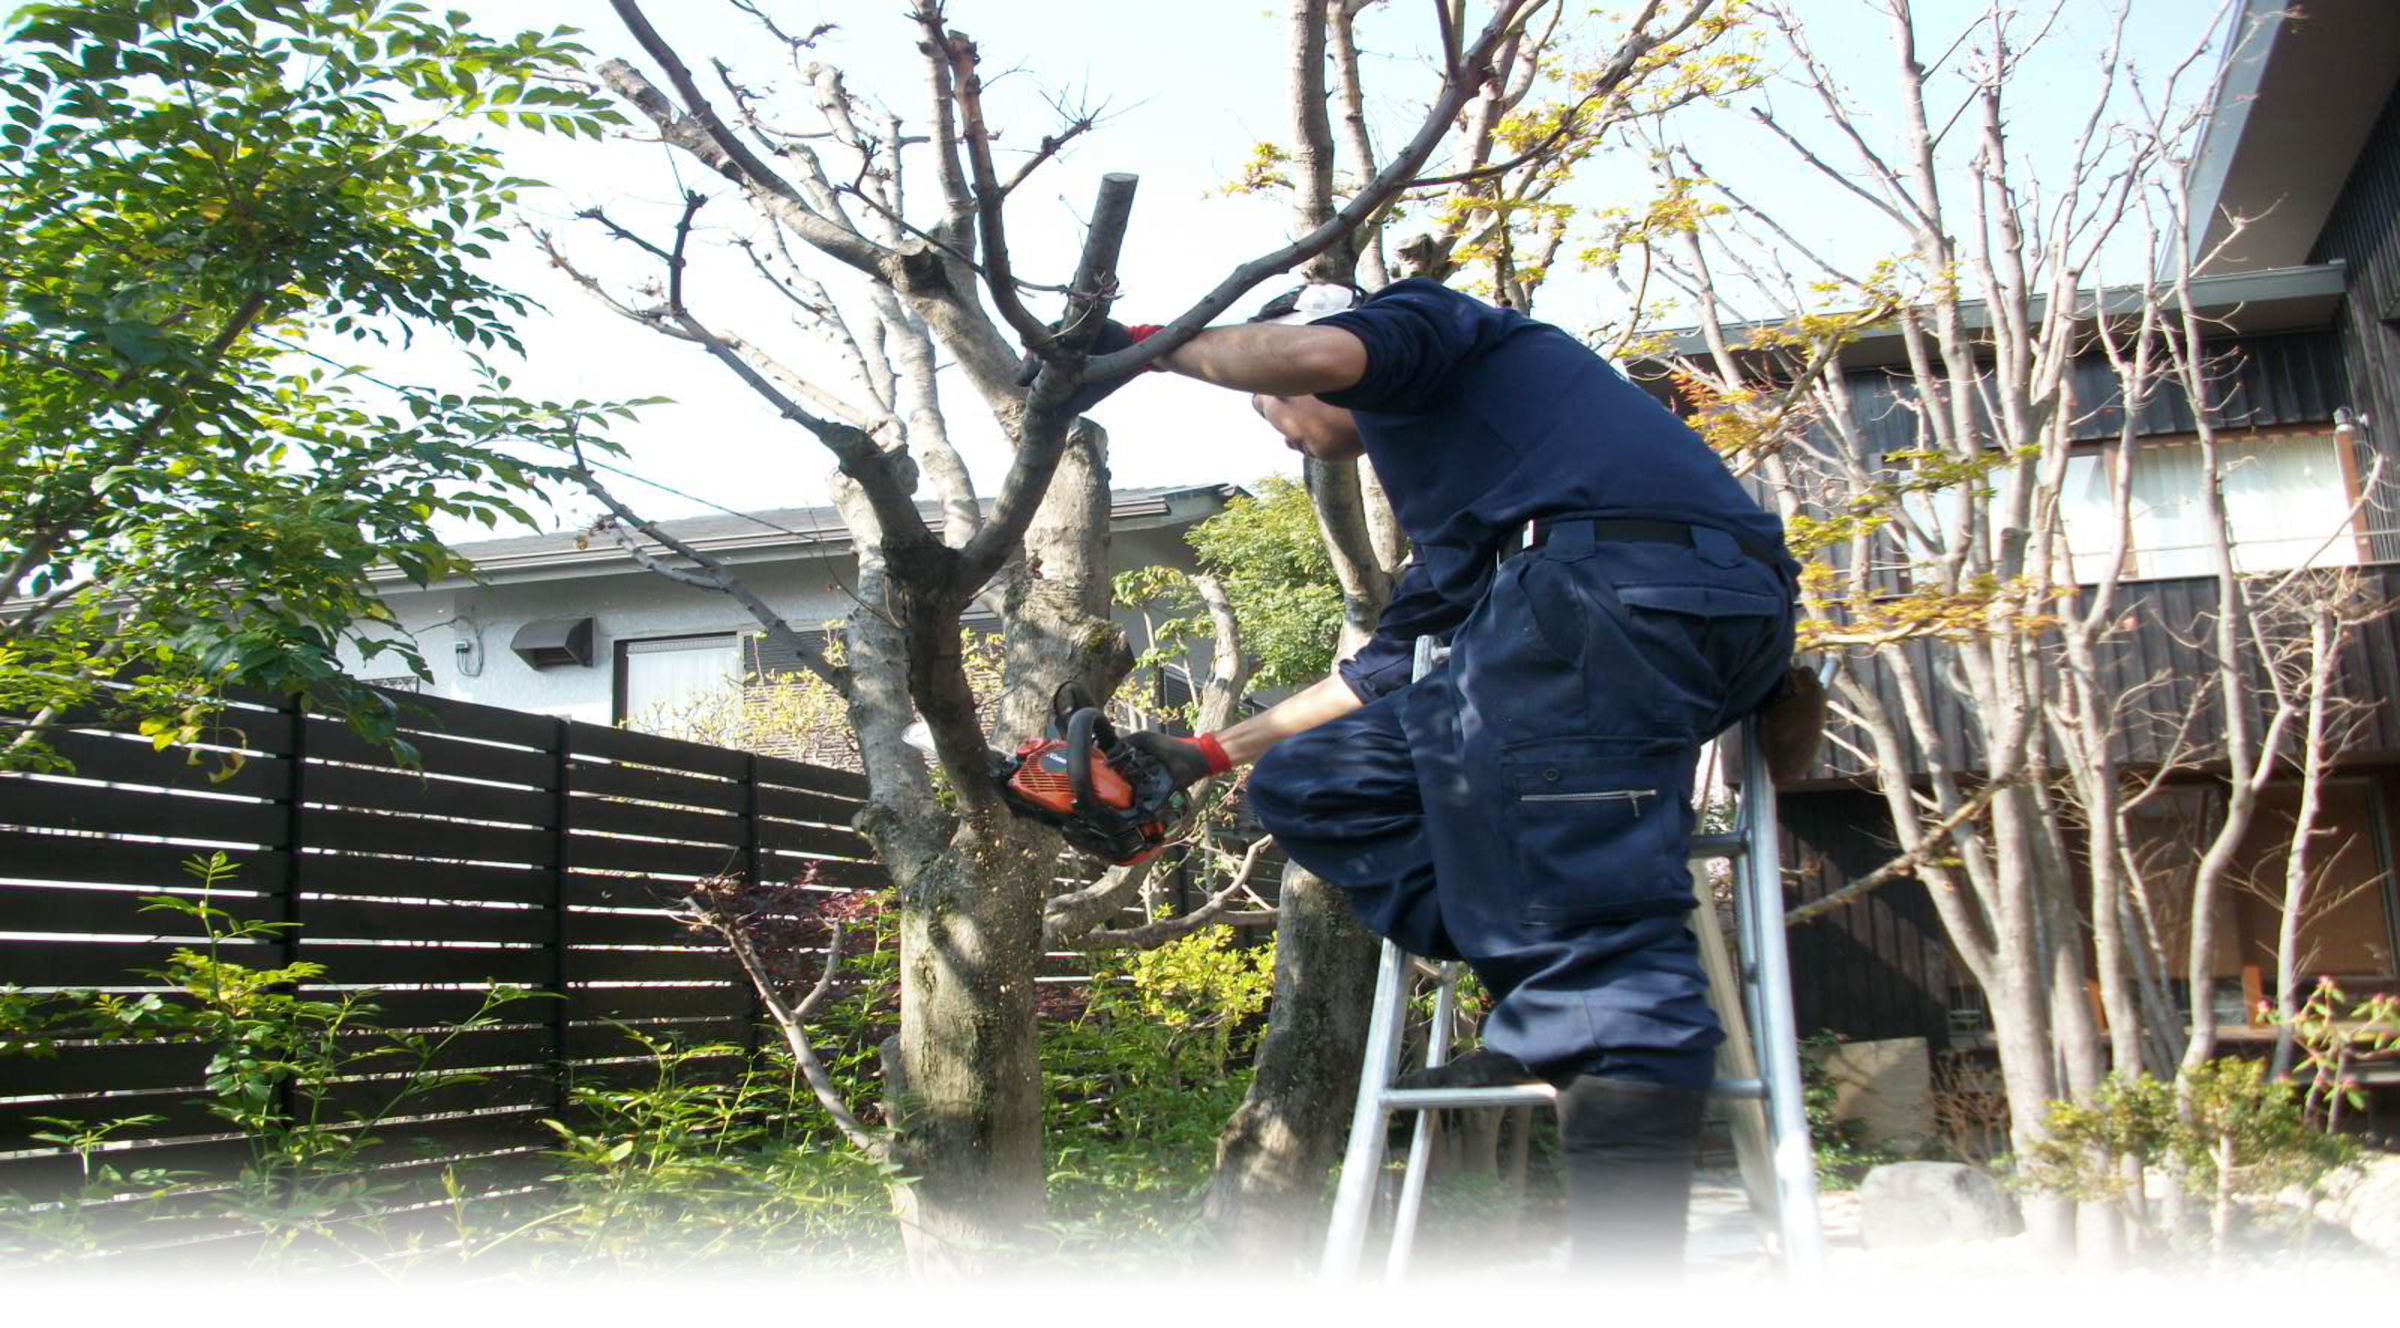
(287, 1093)
(753, 869)
(562, 804)
(294, 827)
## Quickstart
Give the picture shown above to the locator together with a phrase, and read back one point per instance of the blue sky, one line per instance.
(1190, 87)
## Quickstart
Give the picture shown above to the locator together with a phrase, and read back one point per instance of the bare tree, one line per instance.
(828, 200)
(1940, 580)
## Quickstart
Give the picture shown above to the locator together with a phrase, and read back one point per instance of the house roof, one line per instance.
(2293, 108)
(780, 533)
(2279, 300)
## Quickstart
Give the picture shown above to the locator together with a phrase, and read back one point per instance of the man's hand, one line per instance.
(1189, 760)
(1793, 725)
(1112, 337)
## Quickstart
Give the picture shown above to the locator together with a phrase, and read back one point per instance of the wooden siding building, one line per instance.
(2305, 140)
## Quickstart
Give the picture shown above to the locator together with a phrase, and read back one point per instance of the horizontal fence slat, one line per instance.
(438, 755)
(179, 1115)
(82, 963)
(476, 1145)
(595, 853)
(625, 891)
(776, 865)
(628, 818)
(819, 778)
(507, 1089)
(113, 912)
(133, 760)
(442, 1007)
(642, 1073)
(36, 802)
(122, 1067)
(792, 837)
(800, 805)
(256, 729)
(584, 927)
(588, 1041)
(377, 919)
(376, 964)
(136, 1066)
(586, 1004)
(466, 719)
(625, 781)
(420, 878)
(600, 965)
(46, 857)
(427, 837)
(650, 749)
(406, 791)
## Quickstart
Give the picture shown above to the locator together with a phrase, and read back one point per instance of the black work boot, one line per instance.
(1629, 1147)
(1480, 1068)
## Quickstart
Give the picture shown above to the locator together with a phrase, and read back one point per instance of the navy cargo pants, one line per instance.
(1527, 807)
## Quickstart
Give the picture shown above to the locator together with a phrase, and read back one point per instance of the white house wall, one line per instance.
(626, 603)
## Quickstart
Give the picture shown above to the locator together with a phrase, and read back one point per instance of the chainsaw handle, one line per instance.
(1079, 729)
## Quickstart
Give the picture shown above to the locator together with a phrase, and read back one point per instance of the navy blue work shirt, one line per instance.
(1479, 419)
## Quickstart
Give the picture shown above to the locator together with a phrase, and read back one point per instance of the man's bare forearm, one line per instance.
(1273, 358)
(1328, 699)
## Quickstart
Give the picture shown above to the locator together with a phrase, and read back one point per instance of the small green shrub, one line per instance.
(2224, 1129)
(1139, 1079)
(1843, 1153)
(306, 1082)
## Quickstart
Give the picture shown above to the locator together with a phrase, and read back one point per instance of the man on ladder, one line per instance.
(1611, 599)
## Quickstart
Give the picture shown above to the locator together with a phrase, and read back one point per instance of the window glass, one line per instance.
(2286, 498)
(2087, 515)
(663, 678)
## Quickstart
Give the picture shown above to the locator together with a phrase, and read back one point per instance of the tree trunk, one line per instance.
(1264, 1204)
(971, 921)
(969, 1105)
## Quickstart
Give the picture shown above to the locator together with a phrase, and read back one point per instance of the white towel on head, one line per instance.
(1312, 302)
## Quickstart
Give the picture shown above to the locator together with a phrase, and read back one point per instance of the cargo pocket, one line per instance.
(1597, 834)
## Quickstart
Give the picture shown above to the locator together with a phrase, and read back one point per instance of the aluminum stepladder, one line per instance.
(1770, 1129)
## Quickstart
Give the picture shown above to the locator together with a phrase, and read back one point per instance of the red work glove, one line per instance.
(1112, 337)
(1189, 760)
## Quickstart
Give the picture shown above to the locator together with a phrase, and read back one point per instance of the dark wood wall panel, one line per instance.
(2160, 664)
(2363, 234)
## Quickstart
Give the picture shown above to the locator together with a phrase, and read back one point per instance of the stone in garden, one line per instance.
(1887, 1087)
(1932, 1203)
(2370, 1205)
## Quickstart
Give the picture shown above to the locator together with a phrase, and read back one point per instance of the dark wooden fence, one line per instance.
(527, 850)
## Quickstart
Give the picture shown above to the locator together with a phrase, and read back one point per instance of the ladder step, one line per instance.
(1705, 847)
(1431, 1099)
(1532, 1095)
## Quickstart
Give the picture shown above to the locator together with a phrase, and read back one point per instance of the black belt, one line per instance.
(1537, 532)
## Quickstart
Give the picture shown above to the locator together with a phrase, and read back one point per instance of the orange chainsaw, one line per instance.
(1106, 796)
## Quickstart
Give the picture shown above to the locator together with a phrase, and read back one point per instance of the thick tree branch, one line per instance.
(1466, 75)
(1936, 837)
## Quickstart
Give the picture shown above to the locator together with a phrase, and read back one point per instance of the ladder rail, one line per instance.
(1767, 978)
(1420, 1144)
(1362, 1160)
(1761, 997)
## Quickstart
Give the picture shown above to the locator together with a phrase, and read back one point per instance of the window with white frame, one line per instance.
(660, 678)
(2287, 501)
